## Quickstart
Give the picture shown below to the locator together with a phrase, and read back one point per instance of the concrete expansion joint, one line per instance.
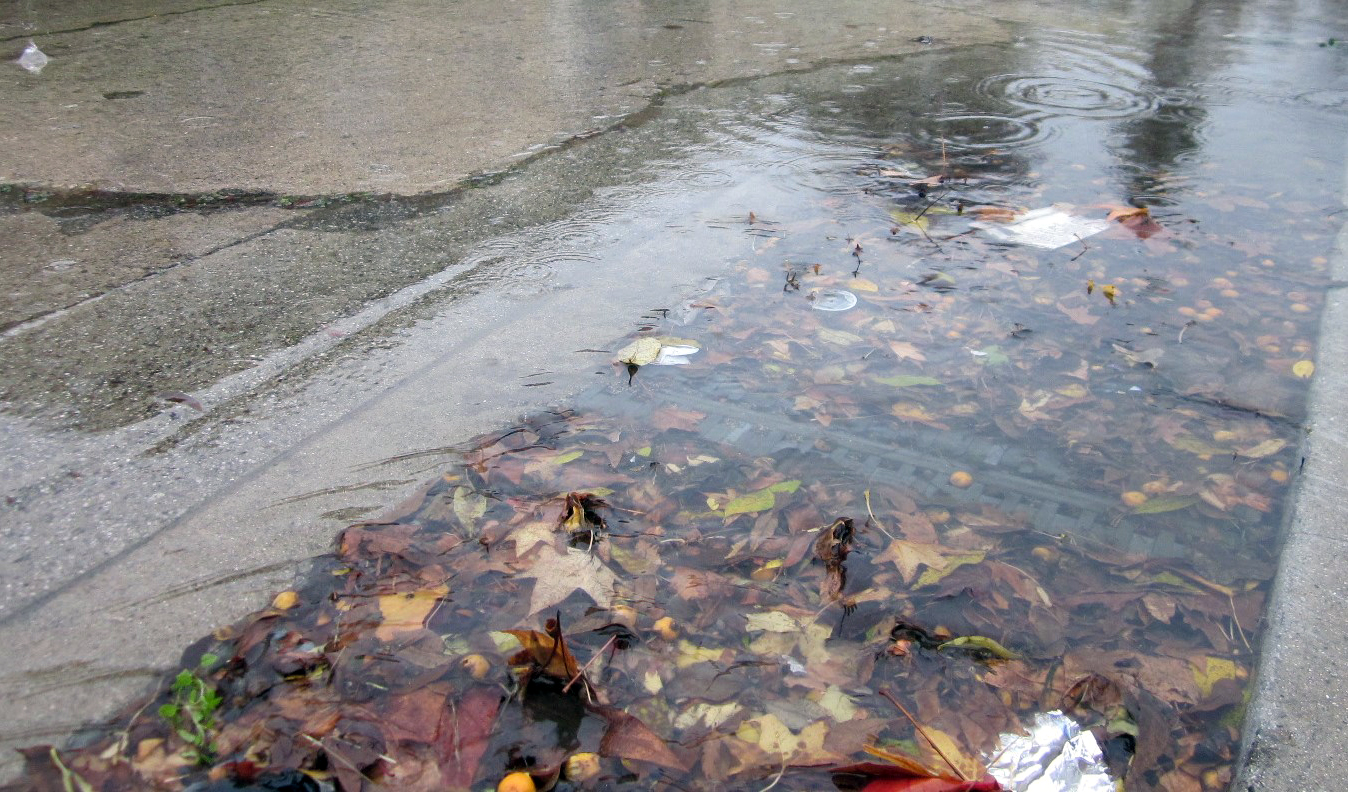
(115, 22)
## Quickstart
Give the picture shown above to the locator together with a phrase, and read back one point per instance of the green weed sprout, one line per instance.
(191, 713)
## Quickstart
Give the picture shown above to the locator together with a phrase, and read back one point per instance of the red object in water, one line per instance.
(986, 784)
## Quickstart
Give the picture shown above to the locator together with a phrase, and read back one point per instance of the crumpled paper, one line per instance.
(1056, 756)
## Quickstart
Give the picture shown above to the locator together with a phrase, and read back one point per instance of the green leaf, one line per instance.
(785, 486)
(208, 660)
(169, 711)
(1160, 505)
(981, 643)
(907, 380)
(992, 356)
(762, 500)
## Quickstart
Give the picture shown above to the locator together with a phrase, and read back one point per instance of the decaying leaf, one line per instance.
(558, 573)
(409, 611)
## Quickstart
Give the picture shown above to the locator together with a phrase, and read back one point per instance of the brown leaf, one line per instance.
(546, 651)
(628, 738)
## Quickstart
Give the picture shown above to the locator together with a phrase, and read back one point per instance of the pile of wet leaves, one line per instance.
(609, 597)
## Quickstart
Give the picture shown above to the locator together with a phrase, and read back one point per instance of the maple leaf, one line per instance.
(557, 573)
(908, 556)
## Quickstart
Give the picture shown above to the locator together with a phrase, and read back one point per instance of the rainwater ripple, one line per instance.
(1067, 95)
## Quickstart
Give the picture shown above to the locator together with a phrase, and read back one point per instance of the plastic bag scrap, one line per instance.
(1047, 228)
(33, 59)
(1057, 756)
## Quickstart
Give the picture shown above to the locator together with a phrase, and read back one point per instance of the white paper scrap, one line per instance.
(1047, 228)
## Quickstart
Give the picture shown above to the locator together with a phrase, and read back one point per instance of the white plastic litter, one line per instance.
(33, 59)
(1047, 228)
(834, 300)
(1057, 756)
(674, 355)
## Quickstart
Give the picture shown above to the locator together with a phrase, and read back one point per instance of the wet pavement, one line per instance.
(417, 319)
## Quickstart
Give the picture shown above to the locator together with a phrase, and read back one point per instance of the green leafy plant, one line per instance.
(191, 713)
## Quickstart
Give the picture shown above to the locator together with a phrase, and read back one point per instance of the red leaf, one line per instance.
(987, 784)
(465, 731)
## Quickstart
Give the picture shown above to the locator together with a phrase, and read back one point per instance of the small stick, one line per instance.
(874, 520)
(885, 692)
(1084, 248)
(775, 779)
(583, 668)
(1236, 619)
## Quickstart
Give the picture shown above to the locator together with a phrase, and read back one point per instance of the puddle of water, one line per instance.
(1080, 454)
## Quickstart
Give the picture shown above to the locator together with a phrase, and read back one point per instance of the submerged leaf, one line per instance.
(1161, 505)
(403, 612)
(640, 352)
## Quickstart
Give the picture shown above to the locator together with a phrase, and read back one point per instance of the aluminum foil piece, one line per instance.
(1057, 756)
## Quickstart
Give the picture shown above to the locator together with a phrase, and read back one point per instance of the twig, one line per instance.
(1084, 248)
(775, 779)
(585, 667)
(873, 518)
(1236, 619)
(885, 692)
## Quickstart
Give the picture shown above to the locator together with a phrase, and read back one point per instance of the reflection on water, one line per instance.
(994, 479)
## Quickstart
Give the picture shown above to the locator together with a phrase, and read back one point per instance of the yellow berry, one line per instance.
(581, 767)
(666, 628)
(1134, 498)
(961, 479)
(517, 782)
(1279, 476)
(476, 664)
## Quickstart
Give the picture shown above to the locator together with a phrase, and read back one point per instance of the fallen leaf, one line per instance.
(558, 573)
(640, 352)
(403, 612)
(628, 738)
(906, 351)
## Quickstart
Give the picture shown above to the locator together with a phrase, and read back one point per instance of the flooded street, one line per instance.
(936, 391)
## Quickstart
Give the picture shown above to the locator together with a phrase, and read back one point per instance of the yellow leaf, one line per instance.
(640, 352)
(1303, 369)
(1215, 670)
(403, 612)
(839, 337)
(691, 654)
(771, 621)
(1074, 391)
(934, 575)
(908, 556)
(861, 284)
(285, 600)
(836, 703)
(947, 749)
(1264, 449)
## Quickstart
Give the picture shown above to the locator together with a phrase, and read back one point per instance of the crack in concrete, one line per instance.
(114, 22)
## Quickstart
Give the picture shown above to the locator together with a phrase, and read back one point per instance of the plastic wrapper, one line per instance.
(33, 59)
(1056, 756)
